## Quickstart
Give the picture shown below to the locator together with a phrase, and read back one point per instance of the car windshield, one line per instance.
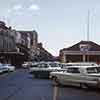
(73, 70)
(82, 64)
(93, 70)
(43, 65)
(69, 65)
(34, 65)
(54, 64)
(1, 65)
(62, 65)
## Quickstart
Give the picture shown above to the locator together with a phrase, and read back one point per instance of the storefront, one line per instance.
(86, 51)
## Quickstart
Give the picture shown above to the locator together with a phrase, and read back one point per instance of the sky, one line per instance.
(59, 23)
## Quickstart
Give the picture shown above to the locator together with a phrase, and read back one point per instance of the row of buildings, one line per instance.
(19, 46)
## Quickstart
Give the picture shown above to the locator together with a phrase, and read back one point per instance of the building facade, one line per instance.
(86, 51)
(7, 38)
(42, 54)
(27, 43)
(16, 46)
(19, 46)
(7, 43)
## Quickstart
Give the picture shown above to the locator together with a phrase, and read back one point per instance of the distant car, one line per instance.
(26, 64)
(43, 69)
(9, 67)
(82, 64)
(63, 65)
(80, 75)
(3, 69)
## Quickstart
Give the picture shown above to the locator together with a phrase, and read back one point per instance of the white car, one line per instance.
(43, 69)
(26, 64)
(84, 76)
(3, 69)
(82, 64)
(9, 67)
(66, 65)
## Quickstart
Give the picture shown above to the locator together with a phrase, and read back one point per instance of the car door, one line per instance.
(71, 76)
(87, 76)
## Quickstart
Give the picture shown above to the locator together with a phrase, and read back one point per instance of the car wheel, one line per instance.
(35, 76)
(55, 81)
(83, 85)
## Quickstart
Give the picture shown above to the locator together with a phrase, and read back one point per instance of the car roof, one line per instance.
(83, 63)
(82, 66)
(48, 62)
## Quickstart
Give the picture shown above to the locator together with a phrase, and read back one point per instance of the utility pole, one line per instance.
(85, 52)
(88, 26)
(88, 32)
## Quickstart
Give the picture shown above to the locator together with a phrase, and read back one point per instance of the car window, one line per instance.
(54, 64)
(93, 70)
(43, 65)
(1, 66)
(82, 64)
(34, 65)
(69, 65)
(63, 66)
(73, 70)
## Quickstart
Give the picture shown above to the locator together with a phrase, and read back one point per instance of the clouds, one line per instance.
(19, 12)
(21, 8)
(9, 10)
(34, 7)
(17, 7)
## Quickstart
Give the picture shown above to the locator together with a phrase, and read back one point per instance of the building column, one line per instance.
(84, 57)
(64, 58)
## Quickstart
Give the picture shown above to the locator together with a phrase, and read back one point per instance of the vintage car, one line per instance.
(9, 67)
(66, 65)
(43, 69)
(80, 75)
(3, 69)
(26, 65)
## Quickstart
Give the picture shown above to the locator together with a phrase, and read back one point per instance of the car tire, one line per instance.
(55, 81)
(35, 76)
(83, 85)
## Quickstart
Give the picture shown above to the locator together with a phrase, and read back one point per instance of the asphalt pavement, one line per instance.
(20, 85)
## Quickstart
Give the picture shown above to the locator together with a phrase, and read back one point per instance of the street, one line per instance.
(20, 85)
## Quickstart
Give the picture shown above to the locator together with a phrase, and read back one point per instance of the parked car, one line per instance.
(66, 65)
(9, 67)
(80, 75)
(26, 64)
(3, 69)
(43, 69)
(82, 64)
(63, 65)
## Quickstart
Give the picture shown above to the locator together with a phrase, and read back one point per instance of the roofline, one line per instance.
(23, 31)
(78, 43)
